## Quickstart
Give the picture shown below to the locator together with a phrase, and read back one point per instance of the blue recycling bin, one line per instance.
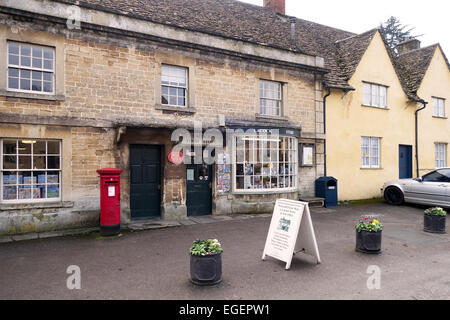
(327, 188)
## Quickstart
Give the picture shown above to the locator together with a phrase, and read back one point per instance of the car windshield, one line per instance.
(445, 172)
(441, 175)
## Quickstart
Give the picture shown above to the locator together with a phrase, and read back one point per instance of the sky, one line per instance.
(430, 18)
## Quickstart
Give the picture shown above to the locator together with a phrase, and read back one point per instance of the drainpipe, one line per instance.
(417, 133)
(325, 131)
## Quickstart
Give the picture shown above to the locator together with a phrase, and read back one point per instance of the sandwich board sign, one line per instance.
(291, 231)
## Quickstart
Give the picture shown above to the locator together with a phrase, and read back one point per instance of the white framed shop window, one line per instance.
(30, 170)
(264, 164)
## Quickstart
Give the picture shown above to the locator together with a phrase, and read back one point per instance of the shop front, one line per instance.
(257, 167)
(251, 170)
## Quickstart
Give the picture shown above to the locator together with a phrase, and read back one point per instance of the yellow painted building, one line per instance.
(434, 129)
(370, 123)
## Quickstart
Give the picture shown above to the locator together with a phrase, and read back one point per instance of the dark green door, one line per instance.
(145, 181)
(198, 190)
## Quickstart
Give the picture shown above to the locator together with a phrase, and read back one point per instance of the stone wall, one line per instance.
(115, 81)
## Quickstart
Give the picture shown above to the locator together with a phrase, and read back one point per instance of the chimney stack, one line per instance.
(408, 45)
(279, 6)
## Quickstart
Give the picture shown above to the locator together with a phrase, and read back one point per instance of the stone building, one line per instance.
(94, 84)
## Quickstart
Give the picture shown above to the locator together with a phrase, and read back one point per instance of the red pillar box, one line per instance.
(109, 201)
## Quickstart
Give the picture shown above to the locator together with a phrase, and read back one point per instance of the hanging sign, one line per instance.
(291, 231)
(175, 157)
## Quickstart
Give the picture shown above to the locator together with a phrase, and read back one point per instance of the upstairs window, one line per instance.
(439, 107)
(174, 86)
(270, 98)
(31, 68)
(375, 95)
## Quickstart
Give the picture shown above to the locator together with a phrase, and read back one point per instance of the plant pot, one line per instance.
(434, 223)
(368, 242)
(206, 270)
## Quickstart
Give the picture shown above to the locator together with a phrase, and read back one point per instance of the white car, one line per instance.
(432, 189)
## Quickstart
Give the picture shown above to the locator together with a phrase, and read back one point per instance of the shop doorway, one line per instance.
(145, 181)
(199, 189)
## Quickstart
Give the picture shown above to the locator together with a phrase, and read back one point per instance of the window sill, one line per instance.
(276, 118)
(190, 110)
(264, 191)
(36, 205)
(35, 96)
(437, 117)
(372, 168)
(374, 107)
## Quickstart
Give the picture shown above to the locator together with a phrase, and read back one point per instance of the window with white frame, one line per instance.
(174, 86)
(439, 107)
(30, 170)
(271, 98)
(441, 155)
(31, 68)
(265, 163)
(375, 95)
(370, 152)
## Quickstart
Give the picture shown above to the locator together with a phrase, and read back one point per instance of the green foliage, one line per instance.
(368, 224)
(205, 247)
(436, 211)
(395, 32)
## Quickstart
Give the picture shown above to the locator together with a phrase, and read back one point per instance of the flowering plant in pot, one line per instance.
(206, 262)
(368, 235)
(434, 220)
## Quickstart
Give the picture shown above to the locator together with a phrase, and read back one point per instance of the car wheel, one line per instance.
(394, 195)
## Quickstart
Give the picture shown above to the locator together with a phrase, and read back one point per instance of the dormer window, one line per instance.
(438, 107)
(375, 95)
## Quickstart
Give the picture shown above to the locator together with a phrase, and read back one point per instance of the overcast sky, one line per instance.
(430, 18)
